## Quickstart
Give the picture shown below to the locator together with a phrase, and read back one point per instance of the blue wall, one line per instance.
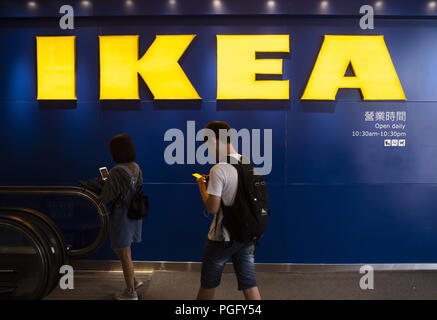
(334, 198)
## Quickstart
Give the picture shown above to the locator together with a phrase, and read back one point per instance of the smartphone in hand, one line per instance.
(197, 175)
(104, 173)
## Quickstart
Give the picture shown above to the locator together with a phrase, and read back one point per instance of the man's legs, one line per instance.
(252, 294)
(128, 267)
(205, 294)
(214, 259)
(244, 265)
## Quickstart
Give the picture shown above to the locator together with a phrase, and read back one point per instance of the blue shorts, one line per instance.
(217, 253)
(123, 230)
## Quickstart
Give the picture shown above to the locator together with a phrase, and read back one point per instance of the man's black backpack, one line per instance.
(247, 219)
(139, 205)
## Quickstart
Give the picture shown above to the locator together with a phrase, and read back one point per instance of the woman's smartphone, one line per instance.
(104, 173)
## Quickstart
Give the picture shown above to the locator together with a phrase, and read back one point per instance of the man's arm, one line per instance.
(212, 203)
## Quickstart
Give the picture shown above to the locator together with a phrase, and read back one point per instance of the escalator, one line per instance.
(33, 249)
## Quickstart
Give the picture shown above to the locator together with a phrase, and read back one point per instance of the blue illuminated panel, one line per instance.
(335, 198)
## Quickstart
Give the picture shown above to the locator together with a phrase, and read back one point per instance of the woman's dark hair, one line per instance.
(122, 148)
(216, 126)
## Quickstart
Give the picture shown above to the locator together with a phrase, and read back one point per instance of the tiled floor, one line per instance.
(96, 285)
(175, 285)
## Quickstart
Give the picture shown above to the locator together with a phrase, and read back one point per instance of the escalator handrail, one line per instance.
(69, 190)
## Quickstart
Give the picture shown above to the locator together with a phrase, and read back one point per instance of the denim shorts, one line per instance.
(217, 253)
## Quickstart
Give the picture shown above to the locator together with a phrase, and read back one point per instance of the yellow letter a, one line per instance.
(374, 72)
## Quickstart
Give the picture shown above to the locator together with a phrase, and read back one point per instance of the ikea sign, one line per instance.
(237, 67)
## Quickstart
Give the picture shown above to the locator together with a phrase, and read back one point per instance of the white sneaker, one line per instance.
(126, 295)
(137, 283)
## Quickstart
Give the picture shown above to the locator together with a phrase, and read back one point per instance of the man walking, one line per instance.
(221, 188)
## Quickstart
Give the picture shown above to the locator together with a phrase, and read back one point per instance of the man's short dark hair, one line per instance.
(122, 148)
(216, 126)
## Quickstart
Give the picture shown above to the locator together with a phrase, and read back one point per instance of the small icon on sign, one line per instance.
(394, 142)
(387, 143)
(401, 142)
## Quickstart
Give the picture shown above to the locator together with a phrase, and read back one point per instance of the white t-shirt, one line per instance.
(223, 182)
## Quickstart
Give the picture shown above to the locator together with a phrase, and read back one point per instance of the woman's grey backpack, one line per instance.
(139, 205)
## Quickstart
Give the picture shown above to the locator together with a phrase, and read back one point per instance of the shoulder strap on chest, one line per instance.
(133, 176)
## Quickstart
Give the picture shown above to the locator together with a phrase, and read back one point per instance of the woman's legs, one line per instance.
(128, 267)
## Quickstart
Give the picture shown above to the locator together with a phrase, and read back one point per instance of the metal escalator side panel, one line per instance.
(56, 247)
(31, 272)
(76, 191)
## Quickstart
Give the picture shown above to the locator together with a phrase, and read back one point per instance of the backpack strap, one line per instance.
(216, 218)
(240, 171)
(228, 161)
(136, 176)
(231, 160)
